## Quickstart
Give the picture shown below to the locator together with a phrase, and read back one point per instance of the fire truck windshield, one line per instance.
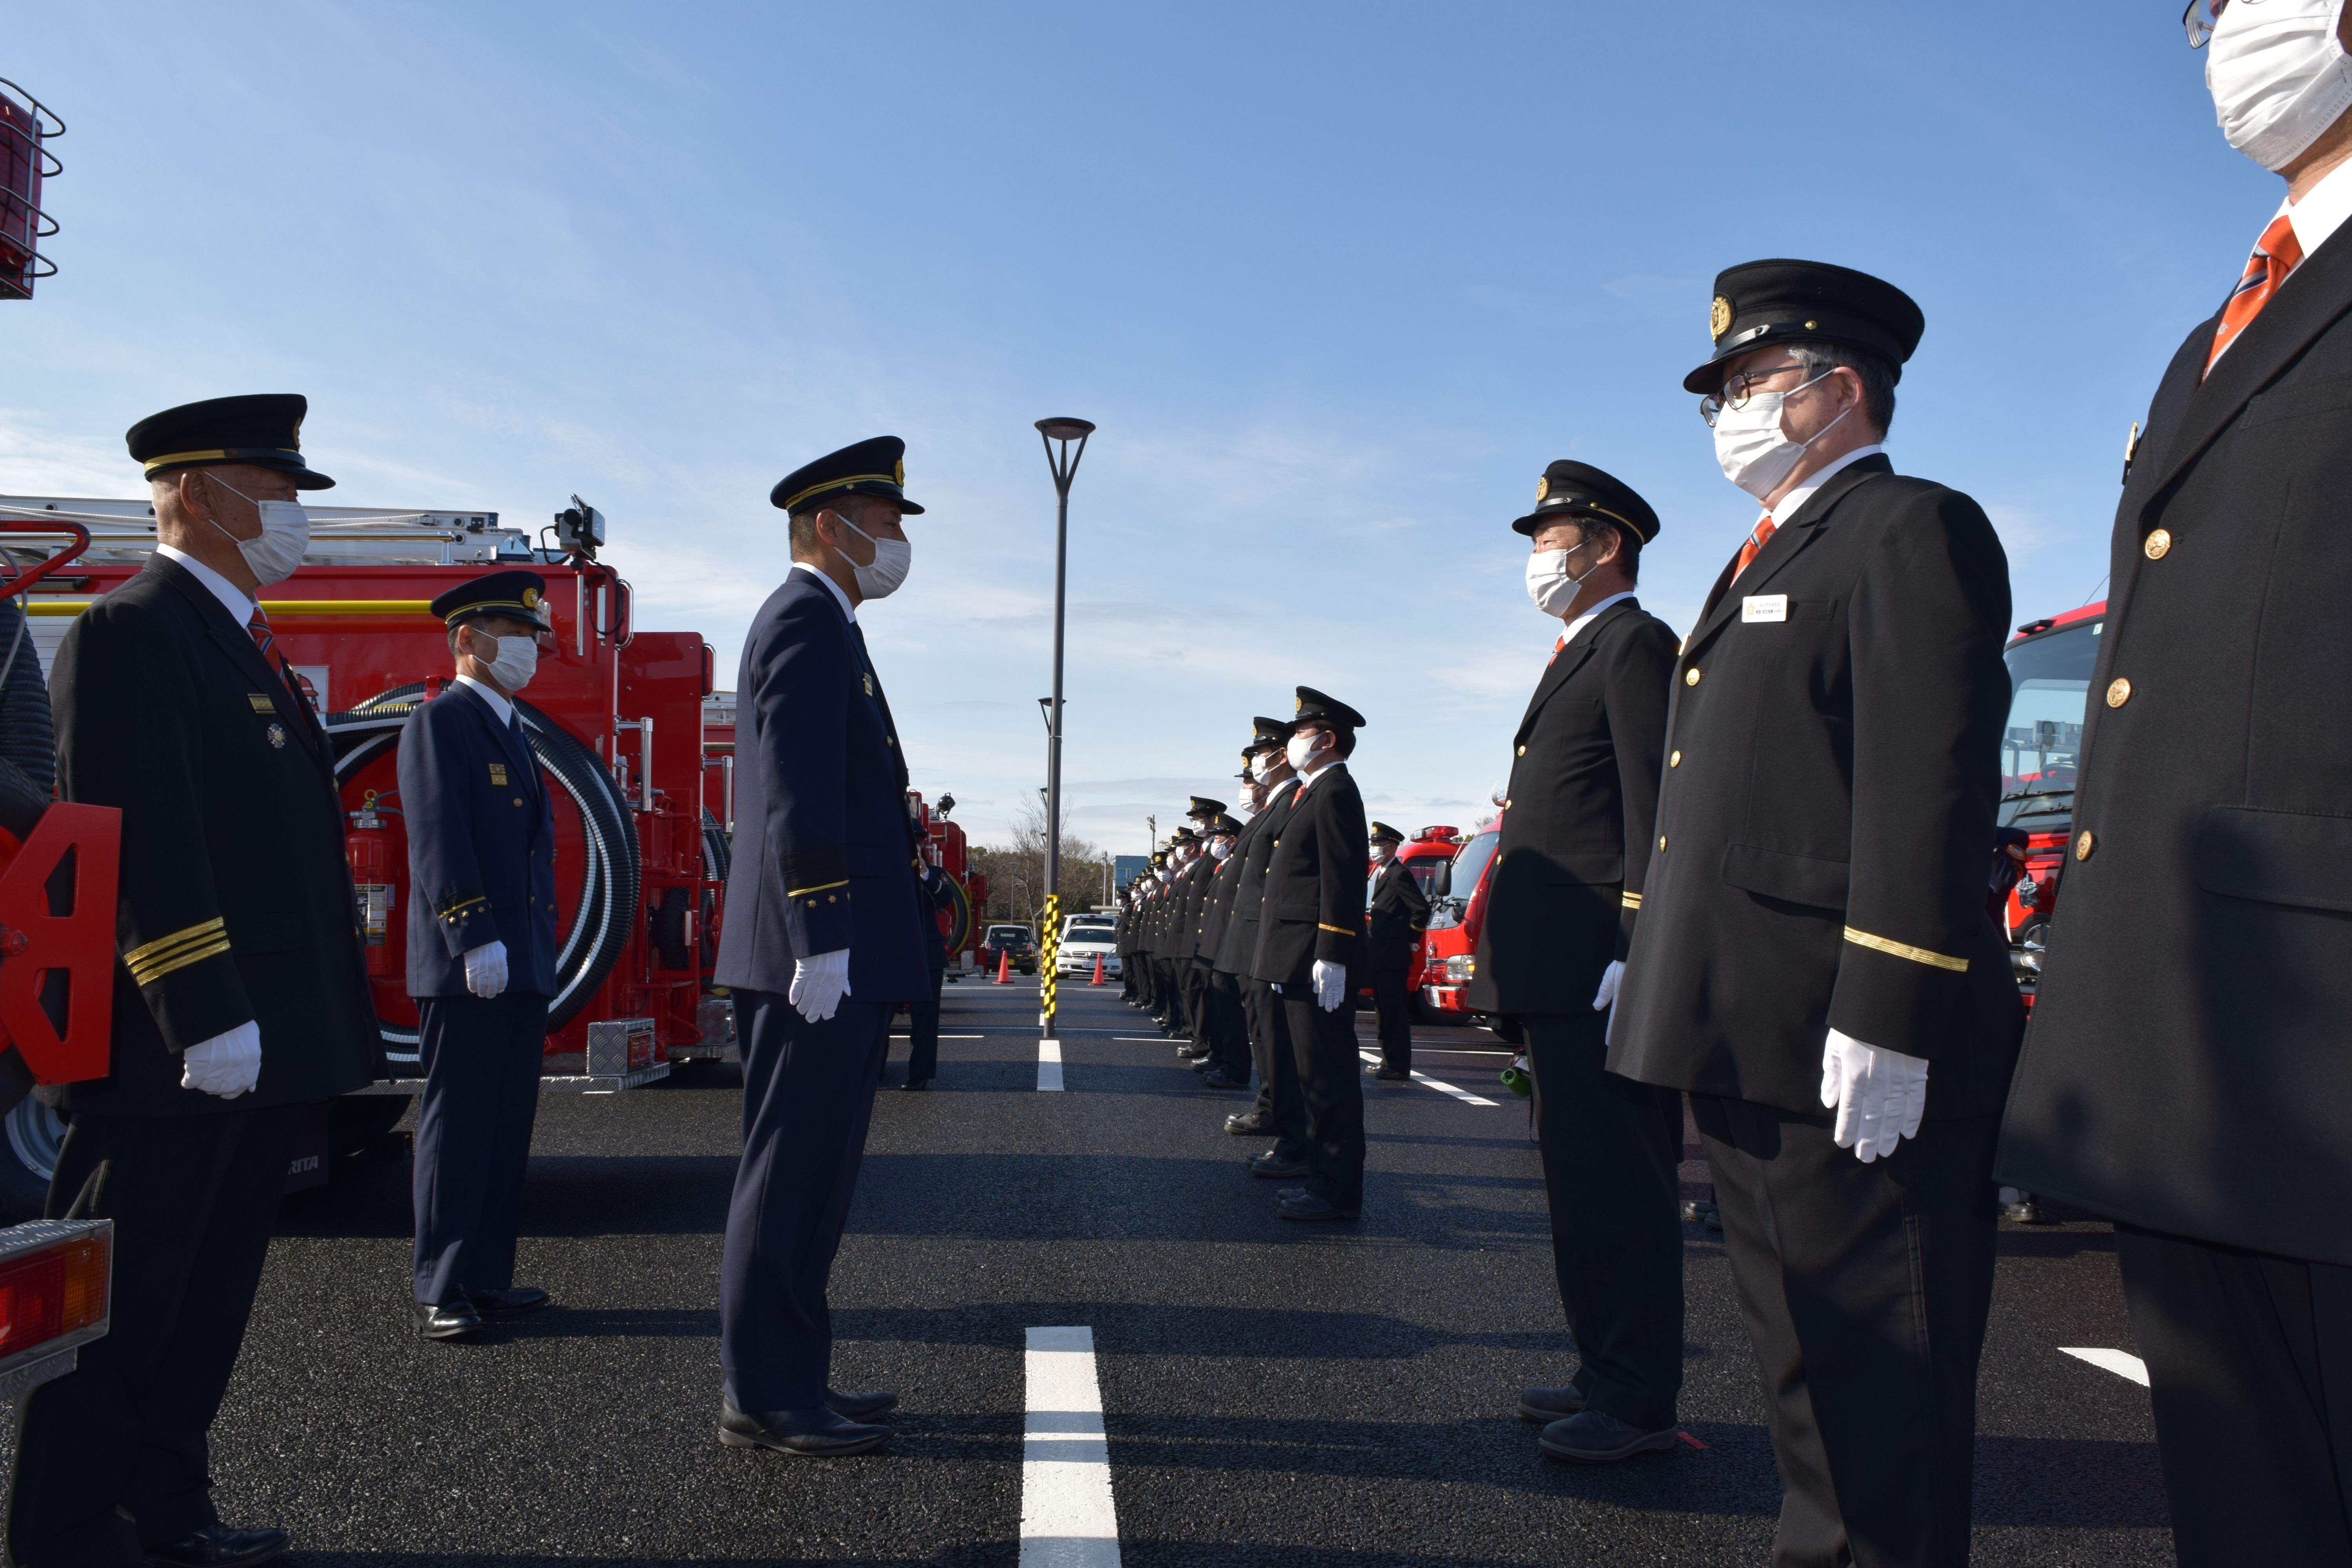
(2049, 679)
(1461, 880)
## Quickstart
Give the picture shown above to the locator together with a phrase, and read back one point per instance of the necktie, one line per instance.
(2277, 253)
(1556, 646)
(1296, 793)
(259, 627)
(1756, 542)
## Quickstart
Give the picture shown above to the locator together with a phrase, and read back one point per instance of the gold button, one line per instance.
(2157, 543)
(1690, 677)
(1507, 806)
(1662, 841)
(1523, 751)
(2119, 692)
(518, 800)
(2084, 844)
(1676, 761)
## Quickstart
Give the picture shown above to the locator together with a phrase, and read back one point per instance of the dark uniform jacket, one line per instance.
(2188, 1067)
(481, 847)
(1237, 948)
(1578, 828)
(235, 900)
(1399, 914)
(824, 854)
(1217, 901)
(1314, 906)
(1826, 826)
(1176, 920)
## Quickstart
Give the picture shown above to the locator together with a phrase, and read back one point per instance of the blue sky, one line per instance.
(1335, 280)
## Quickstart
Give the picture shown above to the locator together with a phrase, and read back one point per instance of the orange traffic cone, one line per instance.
(1005, 967)
(1097, 980)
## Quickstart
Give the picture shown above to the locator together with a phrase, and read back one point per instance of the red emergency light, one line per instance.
(1437, 836)
(25, 123)
(57, 1287)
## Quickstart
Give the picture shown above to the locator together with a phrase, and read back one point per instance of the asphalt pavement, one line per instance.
(1273, 1393)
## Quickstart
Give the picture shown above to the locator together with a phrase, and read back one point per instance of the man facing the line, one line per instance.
(1399, 914)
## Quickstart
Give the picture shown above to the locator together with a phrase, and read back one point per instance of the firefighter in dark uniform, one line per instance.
(1124, 943)
(481, 953)
(1176, 1017)
(1399, 914)
(241, 1003)
(1227, 1063)
(1278, 1110)
(1191, 974)
(1311, 944)
(1816, 961)
(923, 1011)
(2186, 1073)
(1560, 913)
(823, 939)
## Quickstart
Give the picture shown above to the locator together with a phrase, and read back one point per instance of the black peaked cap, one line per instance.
(1568, 490)
(1315, 706)
(516, 594)
(1761, 302)
(1224, 824)
(1383, 830)
(1203, 806)
(1274, 731)
(264, 429)
(875, 468)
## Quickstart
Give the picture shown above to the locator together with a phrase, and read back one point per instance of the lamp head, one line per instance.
(1066, 429)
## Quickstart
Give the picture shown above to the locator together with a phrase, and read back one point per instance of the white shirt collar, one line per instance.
(1585, 619)
(832, 588)
(1306, 780)
(498, 705)
(2323, 209)
(231, 597)
(1791, 503)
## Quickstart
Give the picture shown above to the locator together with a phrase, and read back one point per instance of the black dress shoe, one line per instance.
(1306, 1206)
(1274, 1164)
(1393, 1074)
(817, 1434)
(1218, 1078)
(1597, 1437)
(1249, 1124)
(916, 1083)
(448, 1319)
(1286, 1194)
(218, 1546)
(507, 1303)
(1546, 1406)
(860, 1406)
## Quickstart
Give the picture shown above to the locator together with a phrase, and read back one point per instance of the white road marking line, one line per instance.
(1464, 1095)
(2120, 1362)
(1067, 1518)
(1049, 1064)
(1147, 1039)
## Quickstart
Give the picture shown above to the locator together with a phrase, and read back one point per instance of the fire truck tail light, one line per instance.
(59, 1288)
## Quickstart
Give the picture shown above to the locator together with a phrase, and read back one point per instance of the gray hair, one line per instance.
(1877, 377)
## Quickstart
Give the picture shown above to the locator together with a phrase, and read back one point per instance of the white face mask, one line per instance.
(1754, 456)
(1163, 873)
(515, 659)
(2278, 76)
(1548, 583)
(1261, 765)
(1301, 749)
(892, 560)
(1221, 848)
(285, 534)
(1380, 854)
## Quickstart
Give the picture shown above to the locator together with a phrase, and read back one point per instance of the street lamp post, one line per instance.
(1056, 433)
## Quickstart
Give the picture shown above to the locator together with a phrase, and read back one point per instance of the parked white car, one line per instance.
(1085, 939)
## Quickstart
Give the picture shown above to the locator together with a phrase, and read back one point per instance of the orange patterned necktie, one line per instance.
(1755, 543)
(2277, 253)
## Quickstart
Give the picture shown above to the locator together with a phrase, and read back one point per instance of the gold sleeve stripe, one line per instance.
(157, 963)
(820, 887)
(1343, 930)
(1631, 900)
(452, 910)
(1904, 950)
(147, 951)
(153, 971)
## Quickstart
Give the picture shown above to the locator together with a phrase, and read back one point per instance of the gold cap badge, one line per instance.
(1543, 486)
(899, 472)
(1718, 319)
(530, 598)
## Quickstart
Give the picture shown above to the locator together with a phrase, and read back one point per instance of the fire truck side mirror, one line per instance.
(580, 529)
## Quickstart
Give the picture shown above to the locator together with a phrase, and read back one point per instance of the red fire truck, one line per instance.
(2049, 663)
(615, 715)
(1427, 857)
(1457, 909)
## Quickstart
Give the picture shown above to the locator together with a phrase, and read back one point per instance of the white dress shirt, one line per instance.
(1585, 619)
(232, 597)
(489, 693)
(1796, 498)
(831, 587)
(2319, 215)
(1306, 780)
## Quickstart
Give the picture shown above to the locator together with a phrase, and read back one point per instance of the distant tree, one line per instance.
(1016, 872)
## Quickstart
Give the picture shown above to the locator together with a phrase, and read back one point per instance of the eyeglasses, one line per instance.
(2202, 17)
(1740, 388)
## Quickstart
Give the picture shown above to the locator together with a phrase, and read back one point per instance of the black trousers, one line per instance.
(2250, 1364)
(1866, 1289)
(1171, 996)
(1126, 975)
(808, 1097)
(922, 1035)
(1391, 999)
(473, 1138)
(1331, 1089)
(1193, 974)
(1229, 1033)
(1278, 1099)
(193, 1199)
(1611, 1149)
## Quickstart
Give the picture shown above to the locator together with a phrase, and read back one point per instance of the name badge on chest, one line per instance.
(498, 774)
(1764, 607)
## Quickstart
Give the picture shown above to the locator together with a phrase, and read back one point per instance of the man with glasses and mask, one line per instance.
(1815, 963)
(1560, 913)
(2186, 1073)
(241, 1002)
(825, 938)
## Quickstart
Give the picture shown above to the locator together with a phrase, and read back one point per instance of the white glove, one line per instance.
(819, 983)
(1609, 979)
(485, 970)
(1879, 1095)
(227, 1064)
(1330, 984)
